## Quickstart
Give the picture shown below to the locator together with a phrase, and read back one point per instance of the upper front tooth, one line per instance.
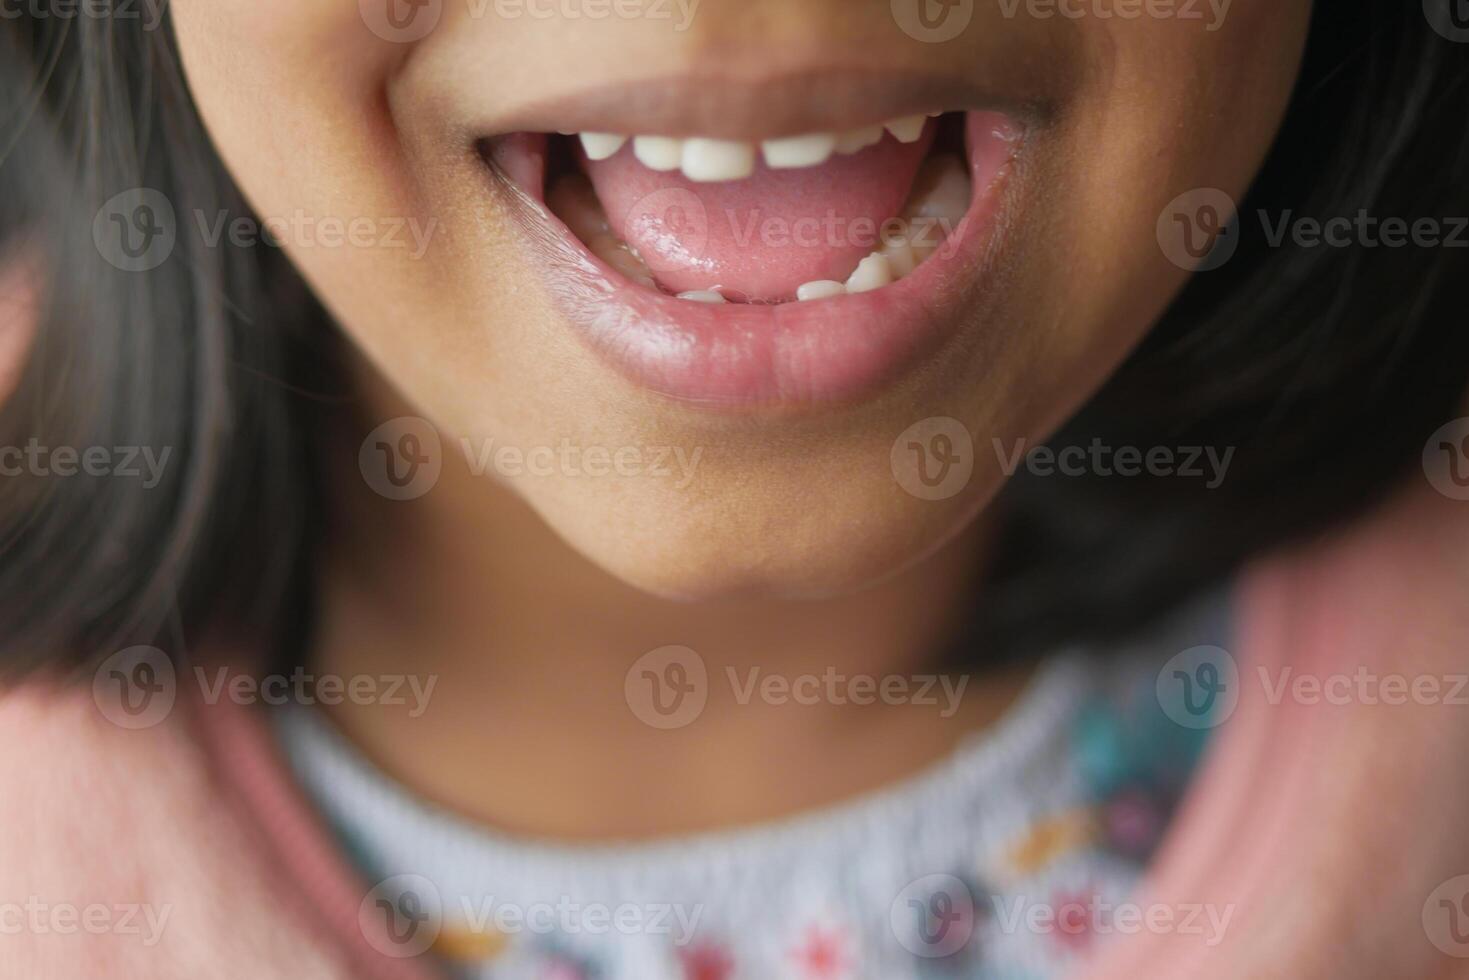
(600, 146)
(658, 152)
(810, 150)
(907, 129)
(858, 139)
(708, 159)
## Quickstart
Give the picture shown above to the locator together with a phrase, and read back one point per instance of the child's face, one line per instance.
(787, 468)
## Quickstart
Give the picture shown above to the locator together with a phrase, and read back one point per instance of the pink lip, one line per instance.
(744, 356)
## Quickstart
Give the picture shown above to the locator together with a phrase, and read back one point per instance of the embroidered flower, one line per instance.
(706, 961)
(824, 953)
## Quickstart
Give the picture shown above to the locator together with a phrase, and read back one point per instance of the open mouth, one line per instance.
(795, 268)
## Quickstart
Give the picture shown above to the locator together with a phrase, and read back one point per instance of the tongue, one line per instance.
(759, 238)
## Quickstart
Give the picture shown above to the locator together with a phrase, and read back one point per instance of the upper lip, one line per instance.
(723, 102)
(726, 108)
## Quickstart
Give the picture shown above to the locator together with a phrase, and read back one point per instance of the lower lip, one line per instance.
(741, 356)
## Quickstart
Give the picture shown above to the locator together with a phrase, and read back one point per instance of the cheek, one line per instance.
(1174, 108)
(294, 96)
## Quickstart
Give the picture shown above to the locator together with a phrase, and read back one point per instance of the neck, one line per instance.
(537, 721)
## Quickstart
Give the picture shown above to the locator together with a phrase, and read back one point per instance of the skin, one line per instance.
(746, 564)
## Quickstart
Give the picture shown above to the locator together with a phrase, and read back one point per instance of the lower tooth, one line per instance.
(872, 273)
(574, 202)
(702, 296)
(900, 257)
(607, 248)
(820, 289)
(941, 190)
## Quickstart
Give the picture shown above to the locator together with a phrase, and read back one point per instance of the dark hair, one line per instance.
(1324, 368)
